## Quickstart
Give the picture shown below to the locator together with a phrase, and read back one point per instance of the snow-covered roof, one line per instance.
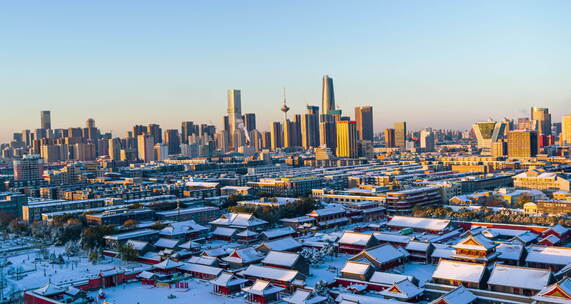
(270, 273)
(510, 251)
(49, 290)
(460, 295)
(417, 246)
(247, 233)
(286, 259)
(383, 254)
(203, 260)
(559, 229)
(418, 223)
(261, 288)
(356, 267)
(551, 239)
(387, 278)
(184, 227)
(227, 279)
(245, 256)
(443, 251)
(349, 298)
(355, 238)
(548, 255)
(166, 243)
(167, 264)
(278, 232)
(559, 292)
(200, 269)
(475, 242)
(302, 296)
(223, 231)
(283, 244)
(404, 290)
(392, 237)
(519, 277)
(327, 211)
(243, 220)
(137, 245)
(459, 271)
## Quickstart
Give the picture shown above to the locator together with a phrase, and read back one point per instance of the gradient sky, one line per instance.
(443, 64)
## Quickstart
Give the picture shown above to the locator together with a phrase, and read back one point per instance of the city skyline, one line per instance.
(178, 67)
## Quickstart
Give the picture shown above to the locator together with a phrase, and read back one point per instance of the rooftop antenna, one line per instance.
(284, 107)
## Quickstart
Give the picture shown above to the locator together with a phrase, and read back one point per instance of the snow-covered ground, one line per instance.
(423, 272)
(136, 293)
(327, 270)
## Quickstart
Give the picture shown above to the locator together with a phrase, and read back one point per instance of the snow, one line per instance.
(271, 273)
(361, 299)
(549, 255)
(520, 277)
(407, 290)
(261, 287)
(136, 293)
(326, 271)
(422, 272)
(355, 267)
(188, 267)
(383, 254)
(279, 232)
(285, 259)
(510, 251)
(284, 244)
(418, 223)
(355, 238)
(460, 295)
(392, 237)
(459, 271)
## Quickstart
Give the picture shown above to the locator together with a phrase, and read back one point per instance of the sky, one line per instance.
(440, 64)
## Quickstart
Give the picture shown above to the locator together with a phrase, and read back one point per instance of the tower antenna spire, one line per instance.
(284, 107)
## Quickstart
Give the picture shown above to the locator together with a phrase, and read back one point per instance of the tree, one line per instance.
(127, 252)
(18, 226)
(92, 237)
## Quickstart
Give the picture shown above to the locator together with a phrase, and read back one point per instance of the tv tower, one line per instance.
(284, 107)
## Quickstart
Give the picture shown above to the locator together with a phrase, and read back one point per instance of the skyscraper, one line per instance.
(276, 135)
(522, 143)
(328, 135)
(46, 120)
(566, 129)
(542, 120)
(364, 118)
(156, 132)
(346, 138)
(172, 140)
(327, 95)
(186, 130)
(488, 132)
(249, 121)
(400, 134)
(114, 148)
(390, 138)
(309, 132)
(145, 148)
(427, 141)
(234, 111)
(30, 167)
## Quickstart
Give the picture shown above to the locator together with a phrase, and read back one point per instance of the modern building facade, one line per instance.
(346, 139)
(364, 118)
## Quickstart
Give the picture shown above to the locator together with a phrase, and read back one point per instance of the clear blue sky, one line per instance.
(442, 64)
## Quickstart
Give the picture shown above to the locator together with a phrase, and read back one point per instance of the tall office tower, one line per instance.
(314, 126)
(500, 148)
(90, 123)
(161, 152)
(327, 95)
(566, 130)
(145, 148)
(139, 130)
(45, 120)
(309, 132)
(186, 130)
(226, 123)
(156, 132)
(556, 130)
(207, 130)
(543, 120)
(364, 118)
(328, 135)
(427, 141)
(289, 134)
(172, 140)
(30, 167)
(276, 135)
(297, 130)
(234, 111)
(524, 124)
(26, 137)
(266, 140)
(249, 121)
(390, 138)
(222, 140)
(346, 139)
(522, 143)
(256, 140)
(488, 132)
(400, 134)
(115, 148)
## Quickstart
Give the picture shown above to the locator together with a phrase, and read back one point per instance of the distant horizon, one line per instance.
(440, 64)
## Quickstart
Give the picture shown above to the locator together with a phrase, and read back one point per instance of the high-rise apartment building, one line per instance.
(327, 95)
(234, 111)
(187, 129)
(145, 148)
(542, 120)
(522, 143)
(45, 120)
(346, 139)
(566, 130)
(172, 140)
(427, 141)
(390, 138)
(156, 132)
(400, 134)
(309, 131)
(364, 118)
(276, 135)
(30, 167)
(115, 148)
